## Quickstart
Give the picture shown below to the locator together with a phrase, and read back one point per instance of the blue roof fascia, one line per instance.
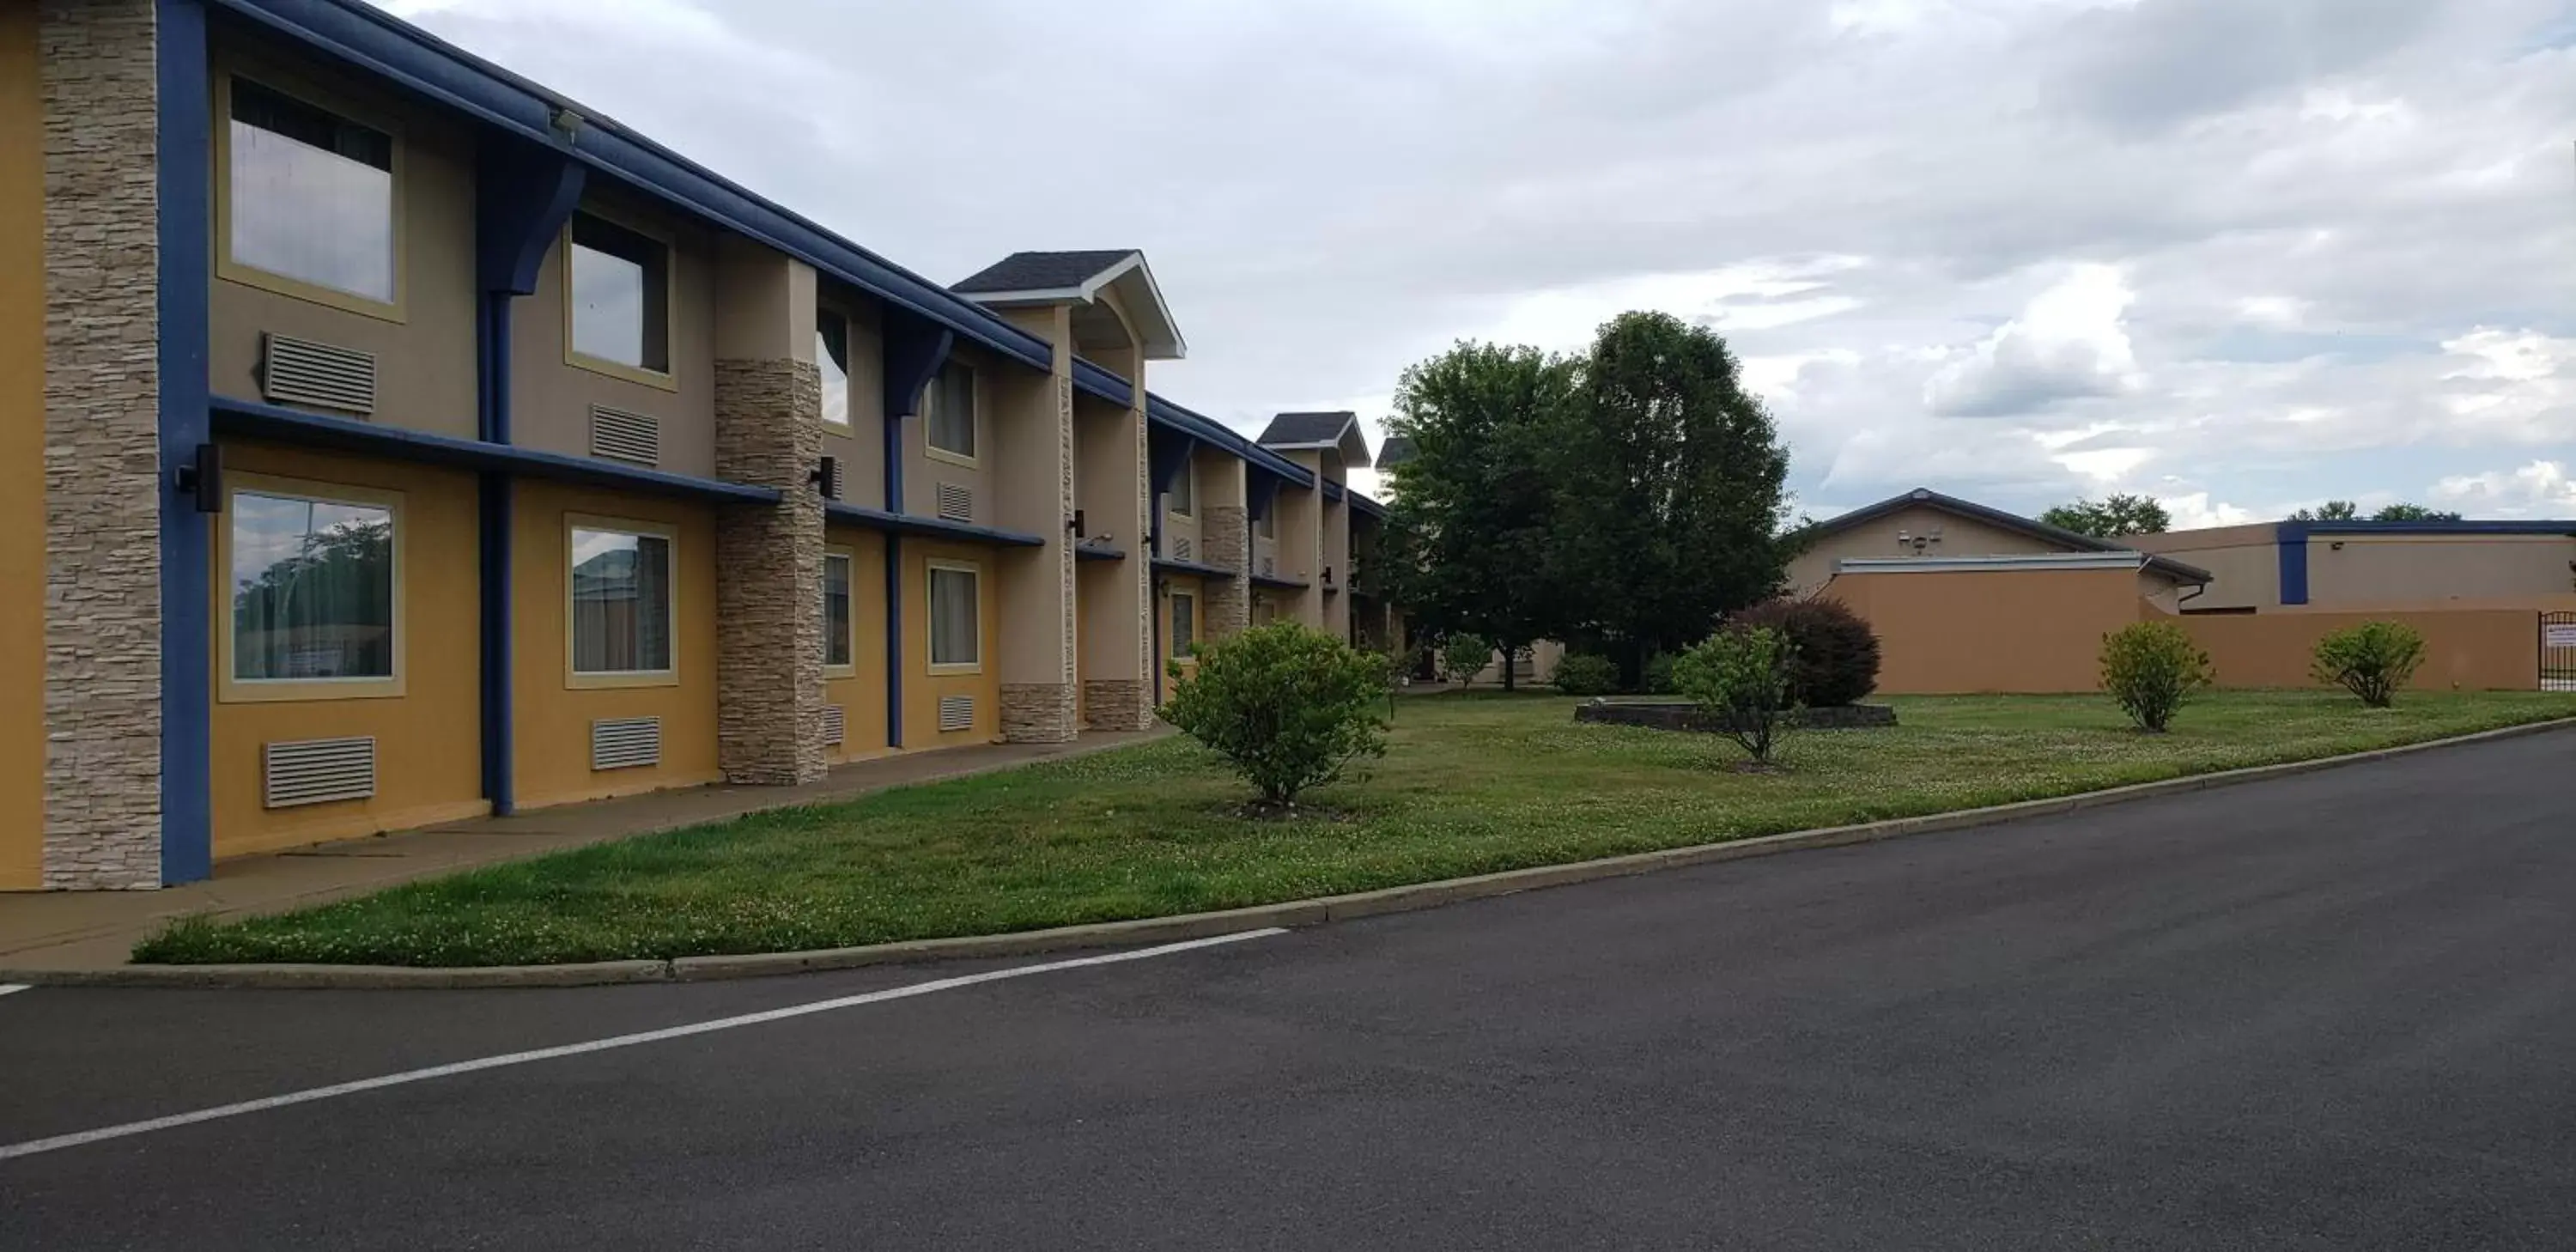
(1097, 380)
(424, 63)
(1166, 565)
(253, 419)
(1098, 552)
(1165, 413)
(936, 528)
(1291, 584)
(1364, 505)
(2434, 528)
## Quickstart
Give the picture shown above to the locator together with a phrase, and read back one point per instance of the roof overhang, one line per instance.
(2119, 559)
(1350, 443)
(1133, 280)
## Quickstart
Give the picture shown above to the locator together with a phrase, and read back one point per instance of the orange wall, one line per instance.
(552, 731)
(2470, 650)
(921, 688)
(22, 454)
(2023, 631)
(429, 754)
(861, 692)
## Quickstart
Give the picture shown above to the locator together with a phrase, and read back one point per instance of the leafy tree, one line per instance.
(1287, 705)
(1837, 651)
(1668, 477)
(2111, 517)
(1463, 656)
(1743, 679)
(2151, 669)
(2372, 660)
(1467, 541)
(2330, 511)
(2403, 512)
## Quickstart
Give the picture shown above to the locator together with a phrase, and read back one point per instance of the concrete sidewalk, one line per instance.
(96, 929)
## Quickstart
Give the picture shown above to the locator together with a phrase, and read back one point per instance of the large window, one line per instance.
(832, 359)
(312, 588)
(956, 634)
(951, 425)
(837, 644)
(309, 196)
(621, 601)
(620, 296)
(1185, 491)
(1185, 622)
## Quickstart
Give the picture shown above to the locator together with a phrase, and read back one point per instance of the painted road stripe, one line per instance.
(58, 1142)
(11, 988)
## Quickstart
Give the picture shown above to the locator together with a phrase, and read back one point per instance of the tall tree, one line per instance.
(2402, 512)
(2330, 511)
(1466, 547)
(1668, 478)
(2111, 517)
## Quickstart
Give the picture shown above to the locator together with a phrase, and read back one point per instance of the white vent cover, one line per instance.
(625, 742)
(623, 436)
(1181, 548)
(316, 771)
(317, 375)
(831, 478)
(956, 502)
(835, 725)
(956, 713)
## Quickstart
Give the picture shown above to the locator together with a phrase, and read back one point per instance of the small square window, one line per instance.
(620, 295)
(956, 634)
(951, 423)
(621, 601)
(832, 360)
(312, 588)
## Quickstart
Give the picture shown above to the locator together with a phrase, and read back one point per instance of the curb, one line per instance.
(1293, 913)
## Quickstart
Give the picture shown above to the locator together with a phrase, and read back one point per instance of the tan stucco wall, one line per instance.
(861, 445)
(1960, 536)
(425, 367)
(2358, 570)
(551, 399)
(2468, 650)
(1967, 631)
(923, 472)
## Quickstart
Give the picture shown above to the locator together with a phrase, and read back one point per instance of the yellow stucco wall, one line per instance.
(861, 692)
(22, 454)
(923, 689)
(552, 731)
(428, 739)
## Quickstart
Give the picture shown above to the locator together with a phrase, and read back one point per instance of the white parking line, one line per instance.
(58, 1142)
(11, 988)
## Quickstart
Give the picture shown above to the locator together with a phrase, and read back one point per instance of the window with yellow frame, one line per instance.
(310, 603)
(956, 609)
(840, 623)
(618, 301)
(308, 196)
(621, 620)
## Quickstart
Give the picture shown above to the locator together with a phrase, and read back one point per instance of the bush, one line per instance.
(1287, 705)
(2151, 669)
(1837, 651)
(1658, 680)
(1462, 657)
(2371, 660)
(1582, 674)
(1742, 678)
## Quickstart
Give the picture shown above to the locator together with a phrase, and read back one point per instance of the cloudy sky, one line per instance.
(2242, 255)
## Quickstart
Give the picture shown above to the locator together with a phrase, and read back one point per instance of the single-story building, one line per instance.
(2353, 564)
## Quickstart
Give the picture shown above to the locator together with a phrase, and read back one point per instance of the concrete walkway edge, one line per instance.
(1198, 925)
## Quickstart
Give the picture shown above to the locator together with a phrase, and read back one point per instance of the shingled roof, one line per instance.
(1042, 271)
(1077, 278)
(1335, 431)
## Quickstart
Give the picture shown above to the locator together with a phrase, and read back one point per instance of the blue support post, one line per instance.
(914, 352)
(2292, 537)
(184, 118)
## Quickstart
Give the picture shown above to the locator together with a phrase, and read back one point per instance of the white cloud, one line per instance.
(2067, 344)
(2539, 489)
(2197, 510)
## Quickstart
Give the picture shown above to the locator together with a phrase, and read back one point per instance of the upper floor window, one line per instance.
(620, 296)
(832, 360)
(312, 581)
(1185, 491)
(309, 198)
(951, 425)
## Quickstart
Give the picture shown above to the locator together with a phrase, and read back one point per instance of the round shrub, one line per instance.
(2371, 660)
(1658, 678)
(1837, 652)
(2151, 669)
(1582, 674)
(1462, 657)
(1285, 704)
(1741, 678)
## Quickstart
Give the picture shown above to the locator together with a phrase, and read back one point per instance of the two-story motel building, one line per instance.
(390, 441)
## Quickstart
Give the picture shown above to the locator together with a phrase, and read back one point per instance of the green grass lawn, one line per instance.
(1471, 784)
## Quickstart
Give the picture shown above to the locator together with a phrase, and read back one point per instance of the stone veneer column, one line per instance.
(102, 456)
(1225, 541)
(1118, 689)
(769, 575)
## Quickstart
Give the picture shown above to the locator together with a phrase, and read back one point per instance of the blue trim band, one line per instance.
(1285, 584)
(2292, 538)
(2440, 528)
(1194, 569)
(1165, 413)
(252, 419)
(929, 527)
(1098, 552)
(185, 274)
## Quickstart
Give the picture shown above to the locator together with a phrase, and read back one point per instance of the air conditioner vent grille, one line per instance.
(316, 375)
(623, 436)
(625, 742)
(317, 771)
